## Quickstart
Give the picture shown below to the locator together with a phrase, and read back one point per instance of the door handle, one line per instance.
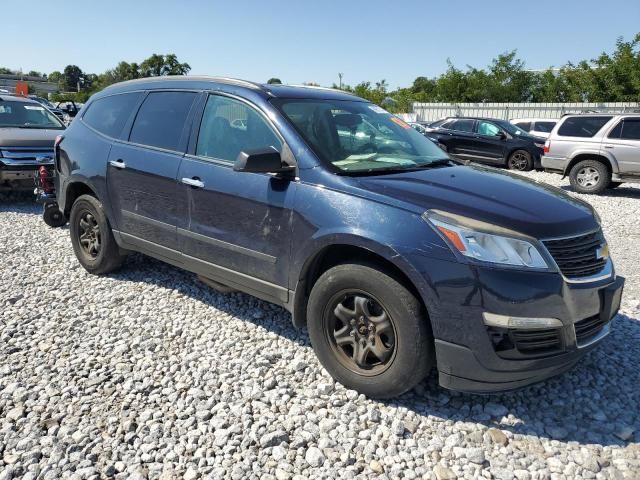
(118, 163)
(194, 182)
(608, 146)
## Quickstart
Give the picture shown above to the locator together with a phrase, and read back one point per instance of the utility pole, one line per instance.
(340, 77)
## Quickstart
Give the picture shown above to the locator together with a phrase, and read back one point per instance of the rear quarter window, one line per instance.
(545, 127)
(585, 127)
(109, 114)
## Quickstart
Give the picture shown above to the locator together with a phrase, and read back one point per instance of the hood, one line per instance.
(27, 137)
(489, 195)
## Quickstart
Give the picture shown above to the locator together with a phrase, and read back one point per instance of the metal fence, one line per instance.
(508, 111)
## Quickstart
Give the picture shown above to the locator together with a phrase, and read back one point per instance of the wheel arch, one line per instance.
(598, 157)
(74, 189)
(334, 254)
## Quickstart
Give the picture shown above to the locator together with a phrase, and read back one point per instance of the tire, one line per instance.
(387, 317)
(589, 176)
(614, 184)
(53, 217)
(520, 160)
(97, 250)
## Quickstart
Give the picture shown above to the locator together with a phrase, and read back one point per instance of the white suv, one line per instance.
(597, 151)
(538, 127)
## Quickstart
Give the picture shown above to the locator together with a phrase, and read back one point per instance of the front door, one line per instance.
(142, 172)
(236, 227)
(487, 145)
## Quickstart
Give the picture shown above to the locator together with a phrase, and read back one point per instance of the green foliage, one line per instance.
(611, 77)
(274, 80)
(5, 71)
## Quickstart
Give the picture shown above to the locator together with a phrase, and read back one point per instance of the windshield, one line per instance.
(360, 137)
(27, 115)
(512, 129)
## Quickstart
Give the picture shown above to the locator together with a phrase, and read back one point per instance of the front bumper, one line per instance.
(473, 357)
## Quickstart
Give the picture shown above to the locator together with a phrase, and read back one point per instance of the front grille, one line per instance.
(578, 256)
(588, 328)
(26, 156)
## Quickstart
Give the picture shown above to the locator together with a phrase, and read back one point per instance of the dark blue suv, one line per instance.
(395, 258)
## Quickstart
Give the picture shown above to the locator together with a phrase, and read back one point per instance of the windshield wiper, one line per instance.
(396, 169)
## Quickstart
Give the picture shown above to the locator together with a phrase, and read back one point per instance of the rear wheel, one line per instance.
(369, 331)
(520, 160)
(589, 176)
(92, 238)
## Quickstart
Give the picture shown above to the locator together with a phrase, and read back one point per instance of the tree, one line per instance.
(274, 81)
(73, 78)
(5, 71)
(159, 65)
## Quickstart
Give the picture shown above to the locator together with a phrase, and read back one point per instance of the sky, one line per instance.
(311, 41)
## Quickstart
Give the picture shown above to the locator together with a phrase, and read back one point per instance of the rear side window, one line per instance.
(582, 126)
(544, 127)
(628, 129)
(229, 127)
(161, 118)
(109, 114)
(526, 126)
(462, 125)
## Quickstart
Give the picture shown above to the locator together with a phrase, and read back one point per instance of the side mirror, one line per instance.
(262, 160)
(501, 135)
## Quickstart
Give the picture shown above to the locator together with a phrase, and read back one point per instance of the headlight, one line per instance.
(539, 145)
(465, 238)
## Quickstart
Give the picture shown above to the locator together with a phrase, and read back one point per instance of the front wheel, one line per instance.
(520, 160)
(369, 331)
(92, 238)
(589, 176)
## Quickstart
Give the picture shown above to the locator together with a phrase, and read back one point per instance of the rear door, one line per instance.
(236, 227)
(142, 172)
(623, 142)
(459, 136)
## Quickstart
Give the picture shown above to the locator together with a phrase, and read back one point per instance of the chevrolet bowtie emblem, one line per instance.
(603, 251)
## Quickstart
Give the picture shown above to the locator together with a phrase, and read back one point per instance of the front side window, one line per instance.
(526, 126)
(229, 127)
(161, 119)
(631, 129)
(585, 127)
(27, 115)
(488, 128)
(109, 114)
(359, 137)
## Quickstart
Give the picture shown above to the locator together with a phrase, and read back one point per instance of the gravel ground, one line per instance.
(149, 374)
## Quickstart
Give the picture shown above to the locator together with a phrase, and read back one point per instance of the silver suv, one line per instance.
(597, 151)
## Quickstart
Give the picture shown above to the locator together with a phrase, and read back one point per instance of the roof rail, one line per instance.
(227, 80)
(318, 87)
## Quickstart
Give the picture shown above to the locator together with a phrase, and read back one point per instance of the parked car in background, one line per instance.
(46, 103)
(538, 127)
(488, 140)
(27, 134)
(394, 257)
(597, 151)
(418, 127)
(70, 109)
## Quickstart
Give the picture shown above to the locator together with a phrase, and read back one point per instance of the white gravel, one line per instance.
(149, 374)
